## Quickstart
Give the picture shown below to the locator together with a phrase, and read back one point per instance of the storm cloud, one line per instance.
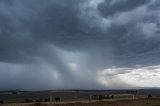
(75, 44)
(109, 8)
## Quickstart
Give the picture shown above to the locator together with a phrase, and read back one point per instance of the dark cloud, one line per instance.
(111, 7)
(71, 38)
(7, 1)
(131, 47)
(28, 32)
(154, 5)
(25, 31)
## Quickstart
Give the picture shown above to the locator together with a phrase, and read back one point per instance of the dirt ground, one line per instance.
(78, 99)
(136, 102)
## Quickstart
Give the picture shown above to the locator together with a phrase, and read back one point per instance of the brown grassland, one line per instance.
(78, 99)
(113, 102)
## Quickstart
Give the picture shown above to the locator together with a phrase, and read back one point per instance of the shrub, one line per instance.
(39, 100)
(37, 104)
(1, 101)
(47, 100)
(107, 96)
(149, 96)
(28, 100)
(112, 96)
(57, 99)
(100, 97)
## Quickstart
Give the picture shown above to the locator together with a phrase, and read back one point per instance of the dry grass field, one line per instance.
(137, 102)
(78, 99)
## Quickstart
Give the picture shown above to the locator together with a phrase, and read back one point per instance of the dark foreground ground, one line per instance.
(81, 98)
(137, 102)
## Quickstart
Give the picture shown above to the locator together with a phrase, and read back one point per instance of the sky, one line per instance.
(79, 44)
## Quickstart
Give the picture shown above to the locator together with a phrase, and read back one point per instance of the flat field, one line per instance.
(78, 98)
(137, 102)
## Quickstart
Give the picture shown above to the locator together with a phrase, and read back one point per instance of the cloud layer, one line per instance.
(58, 44)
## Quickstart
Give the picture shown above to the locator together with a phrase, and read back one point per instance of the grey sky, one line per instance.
(67, 44)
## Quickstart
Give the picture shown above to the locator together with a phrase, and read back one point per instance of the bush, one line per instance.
(1, 101)
(149, 96)
(112, 96)
(28, 100)
(47, 100)
(38, 103)
(100, 97)
(57, 99)
(39, 100)
(107, 96)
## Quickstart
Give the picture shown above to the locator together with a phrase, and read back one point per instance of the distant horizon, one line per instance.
(138, 88)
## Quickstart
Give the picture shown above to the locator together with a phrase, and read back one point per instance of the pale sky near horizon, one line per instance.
(79, 44)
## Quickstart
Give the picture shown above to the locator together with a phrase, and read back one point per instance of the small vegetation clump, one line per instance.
(28, 100)
(149, 96)
(46, 100)
(39, 100)
(112, 96)
(1, 101)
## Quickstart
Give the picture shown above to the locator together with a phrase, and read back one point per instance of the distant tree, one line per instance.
(149, 96)
(112, 96)
(47, 100)
(14, 92)
(100, 97)
(1, 101)
(39, 100)
(107, 96)
(57, 99)
(28, 100)
(37, 104)
(148, 100)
